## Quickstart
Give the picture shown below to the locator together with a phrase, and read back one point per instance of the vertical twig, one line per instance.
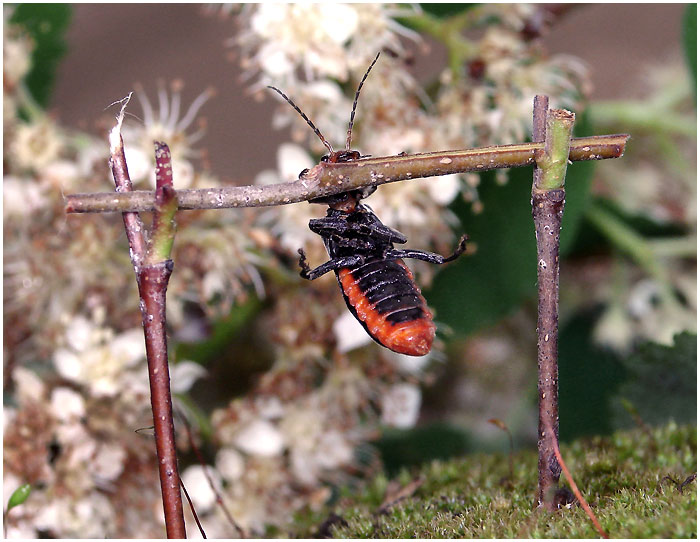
(117, 163)
(153, 268)
(153, 277)
(152, 281)
(554, 127)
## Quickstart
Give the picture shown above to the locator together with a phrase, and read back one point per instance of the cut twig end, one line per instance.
(164, 169)
(563, 115)
(166, 204)
(115, 134)
(557, 142)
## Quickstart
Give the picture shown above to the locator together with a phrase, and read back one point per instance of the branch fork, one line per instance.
(153, 267)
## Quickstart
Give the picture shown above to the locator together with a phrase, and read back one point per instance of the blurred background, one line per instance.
(286, 399)
(110, 47)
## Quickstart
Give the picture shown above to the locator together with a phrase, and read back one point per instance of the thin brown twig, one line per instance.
(152, 278)
(325, 179)
(547, 210)
(574, 487)
(193, 510)
(539, 129)
(117, 162)
(219, 498)
(679, 485)
(152, 283)
(503, 427)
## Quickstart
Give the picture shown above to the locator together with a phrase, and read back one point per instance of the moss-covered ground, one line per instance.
(631, 480)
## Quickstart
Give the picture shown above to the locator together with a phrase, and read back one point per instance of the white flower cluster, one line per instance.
(286, 450)
(318, 41)
(89, 422)
(79, 380)
(647, 312)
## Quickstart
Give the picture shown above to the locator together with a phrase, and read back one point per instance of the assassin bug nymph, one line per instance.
(378, 288)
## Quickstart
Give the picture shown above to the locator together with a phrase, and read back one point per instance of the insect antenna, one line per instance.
(303, 116)
(354, 104)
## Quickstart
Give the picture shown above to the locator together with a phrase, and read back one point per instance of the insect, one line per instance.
(378, 288)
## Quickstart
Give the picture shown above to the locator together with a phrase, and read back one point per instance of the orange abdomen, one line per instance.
(387, 302)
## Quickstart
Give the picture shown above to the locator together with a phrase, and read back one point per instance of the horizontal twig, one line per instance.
(326, 179)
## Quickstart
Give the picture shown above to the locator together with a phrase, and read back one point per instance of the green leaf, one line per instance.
(46, 24)
(19, 496)
(690, 40)
(589, 376)
(662, 382)
(479, 290)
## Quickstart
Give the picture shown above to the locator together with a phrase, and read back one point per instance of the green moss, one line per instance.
(622, 477)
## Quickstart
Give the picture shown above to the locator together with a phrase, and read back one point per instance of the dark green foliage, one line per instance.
(590, 240)
(588, 378)
(47, 25)
(599, 391)
(402, 448)
(478, 290)
(661, 383)
(223, 332)
(233, 355)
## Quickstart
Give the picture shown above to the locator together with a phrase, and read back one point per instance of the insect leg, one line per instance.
(330, 265)
(429, 256)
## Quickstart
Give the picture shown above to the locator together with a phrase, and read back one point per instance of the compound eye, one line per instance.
(325, 158)
(367, 191)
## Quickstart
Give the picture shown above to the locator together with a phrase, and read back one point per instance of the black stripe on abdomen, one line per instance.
(387, 286)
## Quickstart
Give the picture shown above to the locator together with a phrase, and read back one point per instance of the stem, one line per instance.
(205, 470)
(627, 240)
(560, 124)
(677, 247)
(153, 280)
(153, 271)
(449, 31)
(547, 210)
(166, 206)
(634, 245)
(643, 116)
(327, 179)
(539, 130)
(120, 172)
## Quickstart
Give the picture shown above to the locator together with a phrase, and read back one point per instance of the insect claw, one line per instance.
(303, 264)
(461, 247)
(463, 242)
